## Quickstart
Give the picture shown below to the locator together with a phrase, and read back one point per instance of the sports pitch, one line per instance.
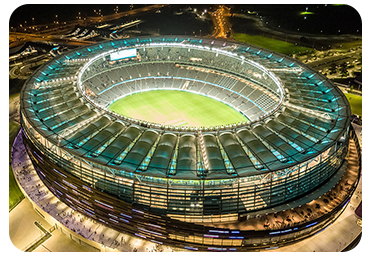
(176, 108)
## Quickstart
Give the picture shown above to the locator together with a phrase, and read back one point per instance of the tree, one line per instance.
(344, 69)
(332, 68)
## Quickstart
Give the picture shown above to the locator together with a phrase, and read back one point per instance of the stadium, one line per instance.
(189, 184)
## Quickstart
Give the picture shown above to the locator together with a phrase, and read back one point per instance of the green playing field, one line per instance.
(176, 108)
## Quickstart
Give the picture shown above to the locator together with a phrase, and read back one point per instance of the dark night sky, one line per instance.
(328, 18)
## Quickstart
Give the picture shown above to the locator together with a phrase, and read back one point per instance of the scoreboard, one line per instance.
(124, 54)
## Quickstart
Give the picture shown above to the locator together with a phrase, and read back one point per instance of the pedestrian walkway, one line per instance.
(344, 230)
(39, 241)
(65, 218)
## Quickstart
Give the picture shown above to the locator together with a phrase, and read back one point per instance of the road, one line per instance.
(222, 26)
(21, 69)
(29, 37)
(50, 36)
(338, 59)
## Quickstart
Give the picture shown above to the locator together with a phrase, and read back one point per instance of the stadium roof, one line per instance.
(310, 116)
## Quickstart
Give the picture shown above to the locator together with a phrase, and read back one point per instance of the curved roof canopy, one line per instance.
(296, 113)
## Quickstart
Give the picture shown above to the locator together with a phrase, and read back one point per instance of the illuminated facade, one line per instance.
(171, 184)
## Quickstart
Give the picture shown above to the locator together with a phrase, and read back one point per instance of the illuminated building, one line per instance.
(169, 184)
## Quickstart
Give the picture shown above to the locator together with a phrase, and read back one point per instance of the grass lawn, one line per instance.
(12, 131)
(15, 87)
(15, 194)
(355, 103)
(176, 108)
(271, 44)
